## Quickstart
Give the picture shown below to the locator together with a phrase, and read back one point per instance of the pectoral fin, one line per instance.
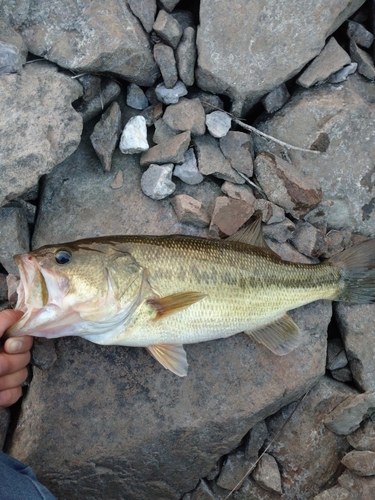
(281, 337)
(174, 303)
(171, 356)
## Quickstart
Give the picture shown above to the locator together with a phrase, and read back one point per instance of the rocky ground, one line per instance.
(116, 121)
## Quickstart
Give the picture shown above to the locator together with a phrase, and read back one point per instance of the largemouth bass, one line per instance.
(161, 292)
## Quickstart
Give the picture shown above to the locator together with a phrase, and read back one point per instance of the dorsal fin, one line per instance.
(252, 235)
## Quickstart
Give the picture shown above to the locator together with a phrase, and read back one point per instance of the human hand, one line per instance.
(14, 357)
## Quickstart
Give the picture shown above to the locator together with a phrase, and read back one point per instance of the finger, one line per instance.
(7, 318)
(10, 396)
(11, 363)
(18, 345)
(13, 380)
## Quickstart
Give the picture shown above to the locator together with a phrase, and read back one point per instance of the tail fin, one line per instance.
(358, 273)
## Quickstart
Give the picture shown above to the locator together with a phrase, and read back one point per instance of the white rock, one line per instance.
(134, 136)
(218, 123)
(188, 171)
(170, 96)
(342, 74)
(156, 181)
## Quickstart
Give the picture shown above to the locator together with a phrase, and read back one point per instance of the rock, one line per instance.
(118, 180)
(184, 17)
(218, 123)
(170, 151)
(318, 116)
(28, 208)
(270, 212)
(42, 97)
(336, 355)
(356, 322)
(361, 463)
(135, 97)
(170, 96)
(157, 182)
(238, 192)
(169, 5)
(336, 242)
(359, 488)
(107, 93)
(229, 215)
(287, 252)
(342, 74)
(206, 192)
(152, 113)
(106, 134)
(286, 186)
(308, 454)
(203, 492)
(348, 415)
(134, 136)
(14, 50)
(342, 374)
(279, 232)
(4, 424)
(163, 132)
(267, 474)
(251, 57)
(209, 101)
(308, 239)
(190, 211)
(3, 288)
(91, 85)
(165, 59)
(364, 437)
(187, 114)
(211, 160)
(359, 34)
(255, 439)
(186, 56)
(237, 147)
(233, 470)
(335, 493)
(276, 99)
(168, 28)
(14, 235)
(43, 353)
(77, 39)
(331, 59)
(145, 10)
(363, 59)
(188, 170)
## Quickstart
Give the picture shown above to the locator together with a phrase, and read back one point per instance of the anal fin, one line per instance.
(171, 304)
(171, 356)
(281, 337)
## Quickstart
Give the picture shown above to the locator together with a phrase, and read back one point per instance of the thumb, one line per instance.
(7, 318)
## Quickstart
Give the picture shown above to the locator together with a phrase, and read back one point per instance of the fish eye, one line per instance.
(62, 257)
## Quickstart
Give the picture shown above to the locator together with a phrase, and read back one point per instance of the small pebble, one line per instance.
(118, 180)
(135, 97)
(134, 136)
(267, 474)
(164, 57)
(156, 181)
(359, 34)
(168, 28)
(218, 123)
(188, 171)
(342, 74)
(190, 211)
(170, 96)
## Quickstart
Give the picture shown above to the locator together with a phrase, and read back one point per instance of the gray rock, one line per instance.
(170, 151)
(359, 34)
(14, 235)
(91, 85)
(348, 415)
(168, 28)
(28, 208)
(3, 288)
(229, 215)
(209, 101)
(152, 113)
(134, 136)
(361, 463)
(169, 5)
(190, 211)
(255, 440)
(336, 242)
(106, 134)
(203, 492)
(186, 56)
(78, 38)
(238, 192)
(342, 374)
(13, 50)
(135, 97)
(336, 355)
(187, 114)
(162, 132)
(188, 170)
(356, 323)
(359, 488)
(286, 186)
(4, 424)
(184, 17)
(308, 239)
(331, 59)
(276, 99)
(251, 57)
(319, 117)
(308, 454)
(108, 92)
(233, 470)
(364, 437)
(157, 182)
(43, 353)
(145, 10)
(363, 59)
(237, 147)
(164, 57)
(218, 123)
(267, 474)
(287, 252)
(211, 160)
(335, 493)
(279, 232)
(270, 212)
(342, 74)
(170, 96)
(42, 97)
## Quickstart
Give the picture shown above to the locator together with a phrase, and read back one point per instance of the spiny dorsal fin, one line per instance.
(281, 337)
(171, 356)
(171, 304)
(252, 235)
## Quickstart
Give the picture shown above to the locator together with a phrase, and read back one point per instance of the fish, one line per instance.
(161, 292)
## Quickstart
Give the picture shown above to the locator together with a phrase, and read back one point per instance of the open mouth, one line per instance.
(32, 290)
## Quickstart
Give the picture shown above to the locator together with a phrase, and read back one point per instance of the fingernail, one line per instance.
(15, 345)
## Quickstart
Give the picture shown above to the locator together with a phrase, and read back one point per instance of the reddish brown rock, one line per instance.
(361, 463)
(347, 416)
(364, 437)
(187, 114)
(267, 474)
(238, 192)
(308, 239)
(170, 151)
(229, 215)
(359, 488)
(190, 211)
